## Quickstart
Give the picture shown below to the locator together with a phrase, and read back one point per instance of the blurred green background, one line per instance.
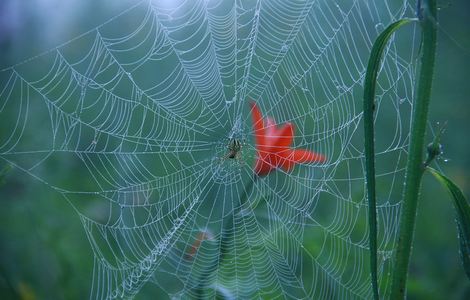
(41, 238)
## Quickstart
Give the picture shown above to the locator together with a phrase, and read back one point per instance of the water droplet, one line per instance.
(231, 101)
(284, 47)
(402, 100)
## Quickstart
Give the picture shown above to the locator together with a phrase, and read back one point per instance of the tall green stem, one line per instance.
(427, 11)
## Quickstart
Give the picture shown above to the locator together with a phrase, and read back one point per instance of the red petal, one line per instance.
(258, 126)
(287, 162)
(270, 130)
(262, 168)
(285, 135)
(306, 156)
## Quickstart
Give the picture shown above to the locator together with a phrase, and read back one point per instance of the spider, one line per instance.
(234, 149)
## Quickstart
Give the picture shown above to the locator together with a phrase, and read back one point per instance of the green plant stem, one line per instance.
(227, 235)
(415, 168)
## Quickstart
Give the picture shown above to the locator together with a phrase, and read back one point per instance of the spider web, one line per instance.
(142, 109)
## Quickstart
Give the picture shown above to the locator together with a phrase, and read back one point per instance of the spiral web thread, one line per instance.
(142, 109)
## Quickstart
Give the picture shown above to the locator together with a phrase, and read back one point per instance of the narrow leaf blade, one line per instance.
(373, 68)
(463, 216)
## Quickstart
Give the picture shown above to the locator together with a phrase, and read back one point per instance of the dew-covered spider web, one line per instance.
(131, 121)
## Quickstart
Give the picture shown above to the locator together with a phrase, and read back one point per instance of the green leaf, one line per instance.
(463, 216)
(373, 68)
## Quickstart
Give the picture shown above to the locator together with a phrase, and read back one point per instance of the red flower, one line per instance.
(200, 237)
(273, 145)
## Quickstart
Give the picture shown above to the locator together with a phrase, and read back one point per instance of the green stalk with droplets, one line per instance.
(427, 12)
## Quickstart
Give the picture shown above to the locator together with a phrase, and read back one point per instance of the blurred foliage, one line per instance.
(44, 251)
